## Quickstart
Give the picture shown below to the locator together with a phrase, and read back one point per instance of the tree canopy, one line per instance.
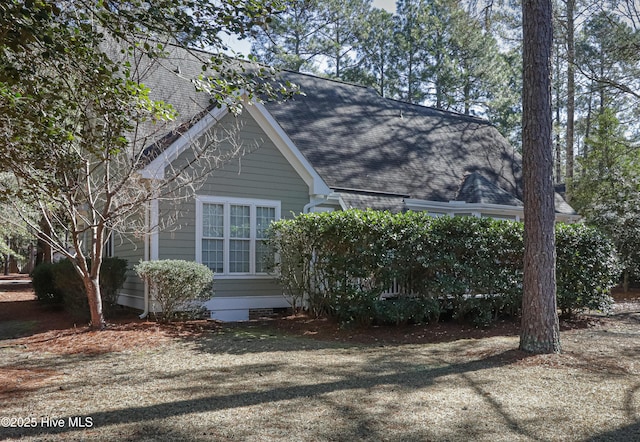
(607, 190)
(76, 118)
(465, 56)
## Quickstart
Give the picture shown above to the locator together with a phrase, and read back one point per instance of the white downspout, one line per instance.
(313, 204)
(147, 233)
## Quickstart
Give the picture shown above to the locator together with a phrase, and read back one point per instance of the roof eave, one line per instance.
(317, 186)
(453, 207)
(155, 170)
(457, 206)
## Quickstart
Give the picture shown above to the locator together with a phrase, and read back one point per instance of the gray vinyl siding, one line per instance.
(261, 173)
(246, 287)
(131, 249)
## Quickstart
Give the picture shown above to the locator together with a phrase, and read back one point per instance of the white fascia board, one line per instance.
(457, 206)
(288, 149)
(155, 169)
(493, 209)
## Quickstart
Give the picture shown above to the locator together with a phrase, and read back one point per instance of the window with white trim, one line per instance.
(231, 234)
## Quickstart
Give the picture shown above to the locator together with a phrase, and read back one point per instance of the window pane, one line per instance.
(240, 221)
(212, 220)
(263, 254)
(213, 254)
(239, 256)
(264, 217)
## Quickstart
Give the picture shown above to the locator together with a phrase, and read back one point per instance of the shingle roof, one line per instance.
(357, 139)
(476, 189)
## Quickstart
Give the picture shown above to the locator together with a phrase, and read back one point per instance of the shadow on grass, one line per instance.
(17, 329)
(256, 338)
(411, 377)
(631, 317)
(22, 315)
(267, 336)
(629, 433)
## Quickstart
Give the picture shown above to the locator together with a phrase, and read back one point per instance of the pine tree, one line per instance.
(539, 331)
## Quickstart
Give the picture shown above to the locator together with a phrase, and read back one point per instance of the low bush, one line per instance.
(69, 282)
(178, 287)
(586, 269)
(64, 284)
(43, 285)
(406, 310)
(113, 274)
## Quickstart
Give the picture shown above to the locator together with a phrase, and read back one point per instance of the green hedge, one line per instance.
(59, 283)
(586, 269)
(43, 286)
(341, 262)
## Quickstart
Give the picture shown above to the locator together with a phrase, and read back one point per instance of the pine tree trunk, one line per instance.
(539, 328)
(558, 100)
(571, 93)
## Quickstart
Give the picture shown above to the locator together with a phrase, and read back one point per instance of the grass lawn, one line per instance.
(256, 382)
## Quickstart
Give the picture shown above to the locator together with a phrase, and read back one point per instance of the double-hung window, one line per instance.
(231, 234)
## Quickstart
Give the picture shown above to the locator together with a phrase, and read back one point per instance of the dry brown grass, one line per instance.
(256, 382)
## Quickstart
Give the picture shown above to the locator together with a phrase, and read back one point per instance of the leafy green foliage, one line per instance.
(113, 274)
(177, 286)
(587, 267)
(607, 53)
(607, 192)
(43, 285)
(406, 310)
(59, 283)
(77, 120)
(68, 282)
(341, 263)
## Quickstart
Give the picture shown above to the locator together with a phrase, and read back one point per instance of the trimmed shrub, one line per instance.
(68, 281)
(113, 274)
(341, 262)
(407, 310)
(69, 289)
(179, 287)
(43, 285)
(586, 269)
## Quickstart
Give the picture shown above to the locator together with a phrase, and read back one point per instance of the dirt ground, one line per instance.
(24, 321)
(297, 378)
(38, 326)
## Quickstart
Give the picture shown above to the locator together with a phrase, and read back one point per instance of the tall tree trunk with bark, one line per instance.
(539, 328)
(558, 122)
(571, 96)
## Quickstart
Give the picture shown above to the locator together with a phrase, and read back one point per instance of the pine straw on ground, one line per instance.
(268, 380)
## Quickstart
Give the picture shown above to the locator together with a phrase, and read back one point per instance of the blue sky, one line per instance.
(244, 47)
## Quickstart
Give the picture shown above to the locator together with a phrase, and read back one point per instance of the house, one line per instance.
(336, 147)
